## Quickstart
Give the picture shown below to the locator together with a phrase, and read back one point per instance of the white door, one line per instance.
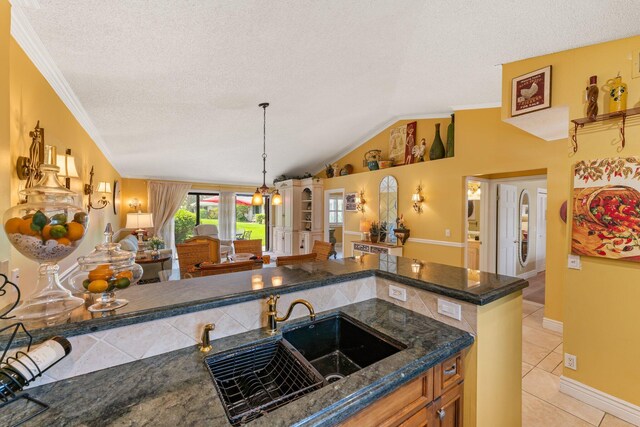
(541, 232)
(507, 229)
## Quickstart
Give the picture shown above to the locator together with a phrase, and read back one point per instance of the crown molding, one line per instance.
(28, 39)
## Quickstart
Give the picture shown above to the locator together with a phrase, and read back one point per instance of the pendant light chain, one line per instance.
(264, 144)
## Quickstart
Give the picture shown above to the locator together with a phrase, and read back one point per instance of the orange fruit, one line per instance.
(46, 232)
(103, 267)
(75, 231)
(12, 226)
(98, 286)
(128, 274)
(100, 274)
(25, 228)
(63, 241)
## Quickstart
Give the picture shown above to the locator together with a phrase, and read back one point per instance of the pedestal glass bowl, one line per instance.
(105, 270)
(46, 229)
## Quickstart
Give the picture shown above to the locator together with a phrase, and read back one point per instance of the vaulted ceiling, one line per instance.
(171, 88)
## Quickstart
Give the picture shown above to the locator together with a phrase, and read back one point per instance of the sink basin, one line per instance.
(257, 379)
(338, 346)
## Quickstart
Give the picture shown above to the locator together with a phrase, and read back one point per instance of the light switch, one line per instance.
(574, 262)
(447, 232)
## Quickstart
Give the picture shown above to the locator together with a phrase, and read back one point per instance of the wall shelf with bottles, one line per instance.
(621, 115)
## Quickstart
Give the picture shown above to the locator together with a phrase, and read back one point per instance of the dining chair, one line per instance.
(214, 246)
(295, 259)
(248, 246)
(322, 250)
(190, 254)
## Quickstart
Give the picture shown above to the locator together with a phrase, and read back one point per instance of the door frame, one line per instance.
(325, 233)
(539, 247)
(484, 220)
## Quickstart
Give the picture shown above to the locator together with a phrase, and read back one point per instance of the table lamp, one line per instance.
(365, 226)
(139, 221)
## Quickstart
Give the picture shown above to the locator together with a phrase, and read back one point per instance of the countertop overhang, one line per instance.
(159, 300)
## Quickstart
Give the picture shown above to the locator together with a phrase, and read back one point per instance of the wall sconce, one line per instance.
(416, 266)
(67, 164)
(27, 168)
(135, 204)
(360, 201)
(103, 187)
(473, 190)
(417, 199)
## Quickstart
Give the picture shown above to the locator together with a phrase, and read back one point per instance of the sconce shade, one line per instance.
(139, 220)
(67, 165)
(104, 187)
(415, 198)
(365, 225)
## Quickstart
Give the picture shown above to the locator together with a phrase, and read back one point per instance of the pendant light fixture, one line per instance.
(258, 196)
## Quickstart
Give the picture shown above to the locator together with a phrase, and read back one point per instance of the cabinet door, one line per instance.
(448, 408)
(288, 249)
(422, 418)
(287, 207)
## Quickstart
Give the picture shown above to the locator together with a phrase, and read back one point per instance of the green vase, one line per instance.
(437, 148)
(450, 144)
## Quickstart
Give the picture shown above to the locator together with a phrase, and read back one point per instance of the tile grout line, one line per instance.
(566, 412)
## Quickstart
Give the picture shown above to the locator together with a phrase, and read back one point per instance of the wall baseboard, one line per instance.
(624, 410)
(528, 274)
(552, 325)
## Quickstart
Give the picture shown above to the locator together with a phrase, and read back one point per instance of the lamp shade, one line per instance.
(365, 225)
(139, 220)
(276, 199)
(104, 187)
(256, 200)
(67, 165)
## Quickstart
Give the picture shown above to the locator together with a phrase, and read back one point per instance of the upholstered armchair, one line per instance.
(211, 230)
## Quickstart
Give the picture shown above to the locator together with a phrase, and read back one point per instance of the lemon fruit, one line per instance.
(127, 274)
(98, 286)
(100, 274)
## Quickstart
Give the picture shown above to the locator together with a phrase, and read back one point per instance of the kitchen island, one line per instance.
(152, 341)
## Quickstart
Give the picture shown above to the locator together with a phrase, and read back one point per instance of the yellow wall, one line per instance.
(601, 315)
(33, 99)
(5, 149)
(484, 145)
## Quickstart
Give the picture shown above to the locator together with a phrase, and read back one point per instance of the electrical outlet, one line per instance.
(570, 361)
(574, 262)
(398, 293)
(450, 309)
(447, 232)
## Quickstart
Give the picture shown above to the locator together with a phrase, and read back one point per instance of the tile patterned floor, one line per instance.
(543, 405)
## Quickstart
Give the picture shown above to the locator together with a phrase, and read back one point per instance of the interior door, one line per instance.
(507, 229)
(541, 232)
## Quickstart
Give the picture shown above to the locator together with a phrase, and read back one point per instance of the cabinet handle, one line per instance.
(451, 370)
(441, 414)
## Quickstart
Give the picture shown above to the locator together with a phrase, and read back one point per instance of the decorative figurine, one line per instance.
(592, 98)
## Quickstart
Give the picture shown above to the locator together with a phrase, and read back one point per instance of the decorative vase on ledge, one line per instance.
(437, 150)
(402, 234)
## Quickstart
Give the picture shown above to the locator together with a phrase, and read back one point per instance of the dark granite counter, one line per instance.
(165, 299)
(176, 389)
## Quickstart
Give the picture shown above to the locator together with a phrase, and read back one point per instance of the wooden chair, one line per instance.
(248, 246)
(295, 259)
(214, 246)
(228, 267)
(322, 250)
(190, 254)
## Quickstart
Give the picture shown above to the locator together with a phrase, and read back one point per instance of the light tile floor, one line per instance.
(543, 405)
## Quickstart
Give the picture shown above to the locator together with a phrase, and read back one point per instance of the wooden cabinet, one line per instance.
(298, 220)
(432, 400)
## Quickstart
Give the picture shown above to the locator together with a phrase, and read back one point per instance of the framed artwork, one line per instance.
(350, 202)
(531, 92)
(116, 197)
(606, 208)
(397, 143)
(410, 142)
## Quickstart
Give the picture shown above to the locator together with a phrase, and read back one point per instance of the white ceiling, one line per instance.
(173, 87)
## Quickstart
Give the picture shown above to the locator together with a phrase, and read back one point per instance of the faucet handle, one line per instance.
(273, 299)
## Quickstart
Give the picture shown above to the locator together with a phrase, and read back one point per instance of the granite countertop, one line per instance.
(158, 300)
(176, 388)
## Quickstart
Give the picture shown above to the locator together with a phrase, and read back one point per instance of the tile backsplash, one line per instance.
(104, 349)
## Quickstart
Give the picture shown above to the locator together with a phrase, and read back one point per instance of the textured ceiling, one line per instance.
(173, 87)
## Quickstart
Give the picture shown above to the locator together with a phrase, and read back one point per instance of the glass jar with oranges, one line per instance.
(46, 229)
(104, 271)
